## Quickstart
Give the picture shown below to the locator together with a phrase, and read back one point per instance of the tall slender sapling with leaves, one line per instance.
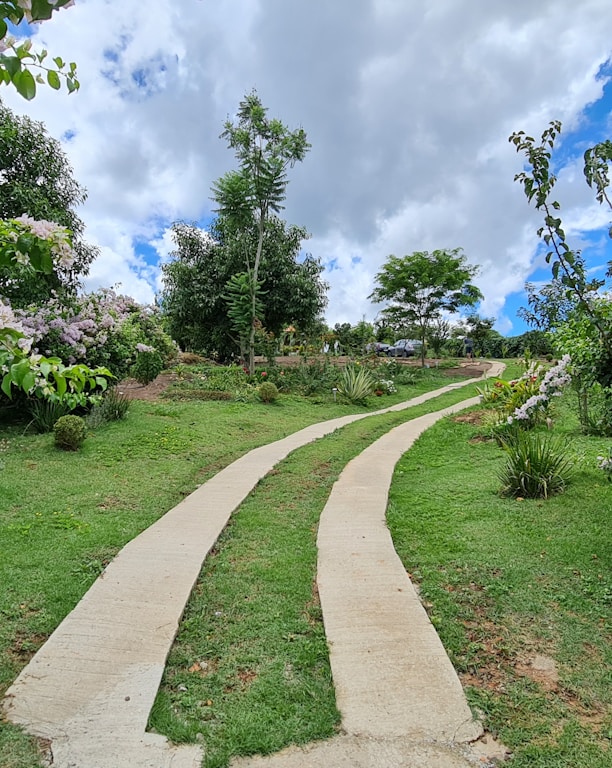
(572, 304)
(265, 149)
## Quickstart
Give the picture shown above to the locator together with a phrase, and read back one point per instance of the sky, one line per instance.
(408, 106)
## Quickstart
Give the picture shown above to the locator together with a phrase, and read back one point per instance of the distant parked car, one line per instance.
(404, 348)
(377, 347)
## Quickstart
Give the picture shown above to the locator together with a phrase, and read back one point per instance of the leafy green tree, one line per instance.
(422, 286)
(36, 179)
(354, 338)
(250, 196)
(438, 334)
(199, 277)
(18, 59)
(479, 330)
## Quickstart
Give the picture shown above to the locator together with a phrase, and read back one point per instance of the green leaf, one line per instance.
(53, 79)
(41, 10)
(28, 381)
(25, 84)
(6, 384)
(11, 64)
(3, 28)
(59, 62)
(60, 382)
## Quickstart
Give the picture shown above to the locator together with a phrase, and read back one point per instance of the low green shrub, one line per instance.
(70, 432)
(311, 377)
(268, 392)
(149, 364)
(537, 467)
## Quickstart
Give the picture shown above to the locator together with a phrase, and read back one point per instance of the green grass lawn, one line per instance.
(520, 591)
(504, 581)
(63, 516)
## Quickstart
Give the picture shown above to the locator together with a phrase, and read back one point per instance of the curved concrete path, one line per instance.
(90, 688)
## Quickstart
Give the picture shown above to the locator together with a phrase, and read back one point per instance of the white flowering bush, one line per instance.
(537, 406)
(605, 464)
(527, 401)
(385, 386)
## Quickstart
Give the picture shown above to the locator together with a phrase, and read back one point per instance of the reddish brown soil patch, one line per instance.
(135, 391)
(541, 669)
(474, 417)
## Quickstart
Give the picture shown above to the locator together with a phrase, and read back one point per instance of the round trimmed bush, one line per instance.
(70, 432)
(268, 392)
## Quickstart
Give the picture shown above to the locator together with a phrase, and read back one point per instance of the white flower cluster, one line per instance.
(144, 348)
(551, 385)
(8, 322)
(605, 463)
(8, 319)
(57, 236)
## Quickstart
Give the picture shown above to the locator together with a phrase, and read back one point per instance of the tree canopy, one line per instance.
(195, 297)
(421, 286)
(572, 304)
(36, 179)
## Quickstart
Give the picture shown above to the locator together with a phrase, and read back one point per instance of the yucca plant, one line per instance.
(356, 384)
(537, 467)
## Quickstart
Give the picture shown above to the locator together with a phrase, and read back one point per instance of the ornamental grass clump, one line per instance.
(537, 466)
(356, 384)
(268, 392)
(114, 406)
(70, 432)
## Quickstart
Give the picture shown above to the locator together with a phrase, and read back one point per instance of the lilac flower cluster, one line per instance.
(81, 328)
(555, 379)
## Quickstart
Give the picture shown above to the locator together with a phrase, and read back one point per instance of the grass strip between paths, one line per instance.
(249, 671)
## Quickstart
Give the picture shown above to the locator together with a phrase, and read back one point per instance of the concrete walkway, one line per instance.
(90, 688)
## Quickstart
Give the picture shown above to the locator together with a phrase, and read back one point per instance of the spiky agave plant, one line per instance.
(356, 384)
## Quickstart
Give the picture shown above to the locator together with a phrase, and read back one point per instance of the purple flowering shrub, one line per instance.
(97, 329)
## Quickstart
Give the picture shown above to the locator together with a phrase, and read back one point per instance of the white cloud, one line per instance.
(408, 107)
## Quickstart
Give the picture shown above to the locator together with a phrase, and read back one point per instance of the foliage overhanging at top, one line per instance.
(17, 59)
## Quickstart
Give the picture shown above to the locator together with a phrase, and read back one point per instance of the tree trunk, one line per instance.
(260, 227)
